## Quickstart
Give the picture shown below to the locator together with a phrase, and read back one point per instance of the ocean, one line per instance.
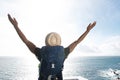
(92, 68)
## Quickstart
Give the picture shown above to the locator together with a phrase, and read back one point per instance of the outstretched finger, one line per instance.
(89, 25)
(94, 23)
(9, 17)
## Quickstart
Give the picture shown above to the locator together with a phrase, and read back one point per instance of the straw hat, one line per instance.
(53, 39)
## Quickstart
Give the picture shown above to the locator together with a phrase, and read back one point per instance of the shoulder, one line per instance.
(37, 51)
(66, 51)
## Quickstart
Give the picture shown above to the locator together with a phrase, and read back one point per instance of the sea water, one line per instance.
(92, 68)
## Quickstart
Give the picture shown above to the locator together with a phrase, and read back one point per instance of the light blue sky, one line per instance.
(69, 18)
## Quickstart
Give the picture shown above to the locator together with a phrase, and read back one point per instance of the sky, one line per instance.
(69, 18)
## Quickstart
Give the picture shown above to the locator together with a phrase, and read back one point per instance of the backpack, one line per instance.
(52, 59)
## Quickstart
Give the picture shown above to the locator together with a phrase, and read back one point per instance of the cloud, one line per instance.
(110, 47)
(37, 18)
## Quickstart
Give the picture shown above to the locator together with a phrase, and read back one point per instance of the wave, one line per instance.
(110, 74)
(75, 78)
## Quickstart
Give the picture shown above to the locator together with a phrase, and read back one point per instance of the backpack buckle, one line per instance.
(52, 65)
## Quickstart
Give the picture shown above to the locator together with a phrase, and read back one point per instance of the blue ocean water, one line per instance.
(92, 68)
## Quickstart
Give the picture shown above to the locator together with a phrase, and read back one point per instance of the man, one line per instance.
(52, 55)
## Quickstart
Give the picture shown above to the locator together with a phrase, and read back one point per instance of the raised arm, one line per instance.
(29, 44)
(74, 44)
